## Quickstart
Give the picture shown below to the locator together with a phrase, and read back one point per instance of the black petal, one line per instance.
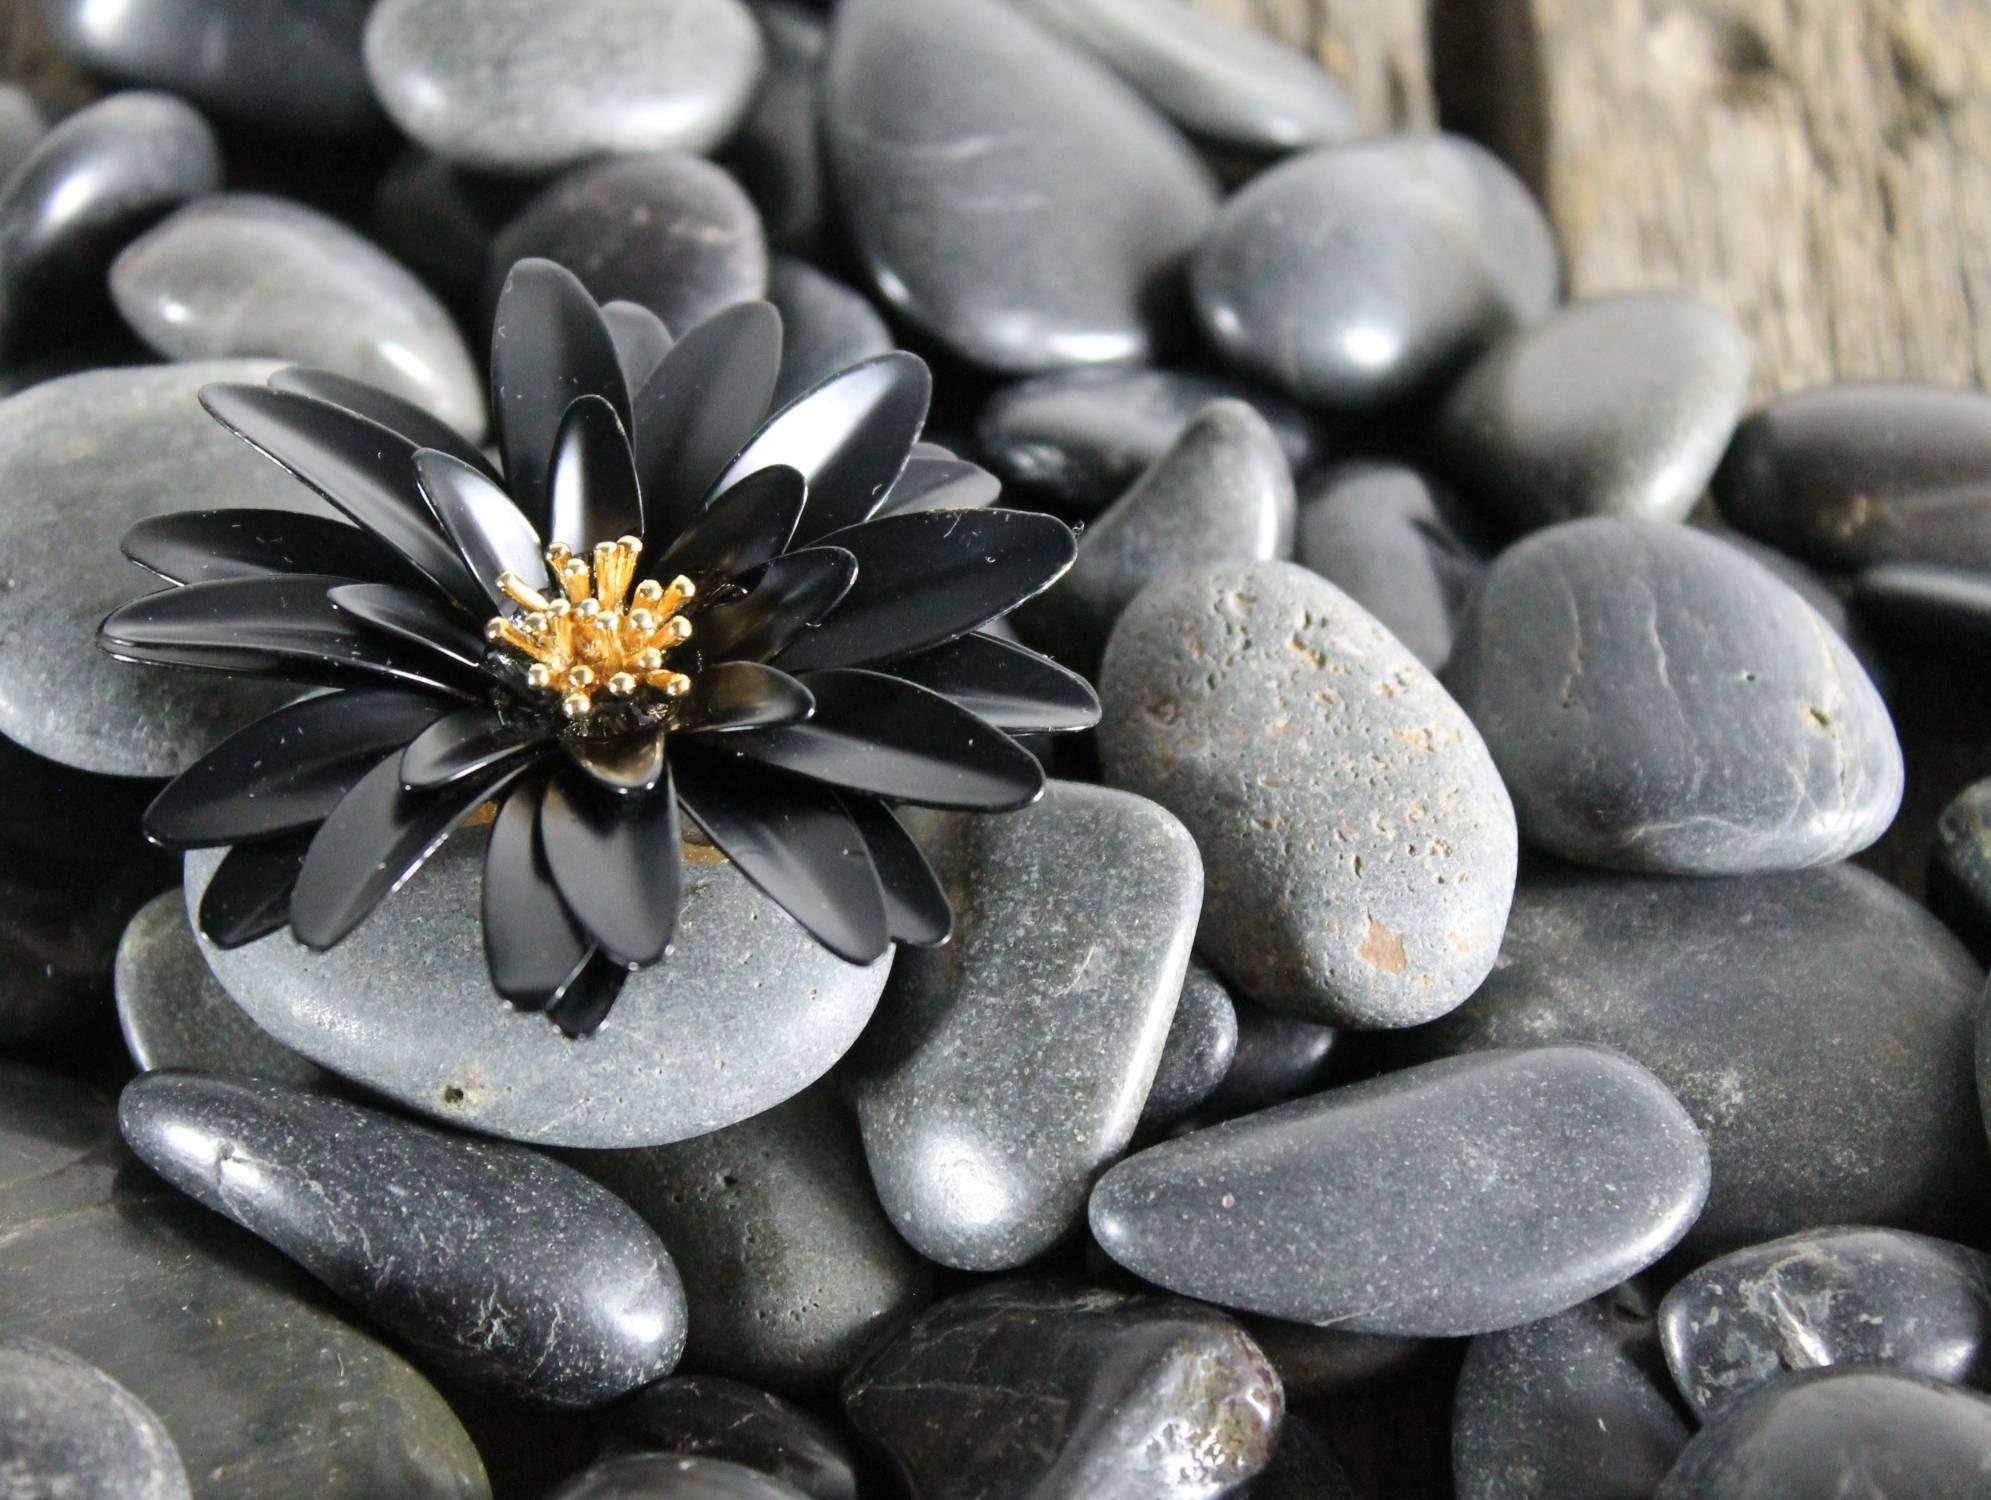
(848, 438)
(743, 695)
(628, 764)
(941, 484)
(616, 861)
(490, 533)
(407, 616)
(283, 626)
(794, 840)
(641, 340)
(421, 428)
(594, 494)
(923, 579)
(465, 742)
(875, 733)
(375, 839)
(535, 949)
(585, 1005)
(741, 529)
(916, 908)
(549, 346)
(791, 594)
(211, 546)
(1013, 688)
(287, 770)
(248, 896)
(362, 468)
(700, 407)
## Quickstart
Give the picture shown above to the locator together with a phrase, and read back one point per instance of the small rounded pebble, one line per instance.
(970, 148)
(1219, 81)
(1850, 475)
(1396, 544)
(1359, 845)
(240, 274)
(1617, 406)
(777, 1229)
(1202, 1041)
(1083, 436)
(1222, 492)
(1656, 701)
(669, 232)
(91, 185)
(1575, 1407)
(1356, 274)
(1008, 1067)
(526, 87)
(1882, 1298)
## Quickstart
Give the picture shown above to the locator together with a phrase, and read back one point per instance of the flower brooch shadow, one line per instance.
(667, 603)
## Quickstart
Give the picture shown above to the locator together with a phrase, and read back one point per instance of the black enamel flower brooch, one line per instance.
(666, 600)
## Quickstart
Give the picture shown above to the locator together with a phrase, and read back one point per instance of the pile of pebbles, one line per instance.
(1492, 1010)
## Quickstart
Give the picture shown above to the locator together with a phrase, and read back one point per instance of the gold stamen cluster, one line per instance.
(586, 641)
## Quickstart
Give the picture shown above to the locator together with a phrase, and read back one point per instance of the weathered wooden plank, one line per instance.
(1822, 168)
(1377, 48)
(28, 57)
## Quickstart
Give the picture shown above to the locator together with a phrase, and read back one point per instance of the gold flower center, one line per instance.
(600, 634)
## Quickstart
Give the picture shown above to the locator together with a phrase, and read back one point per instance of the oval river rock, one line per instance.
(748, 1011)
(1359, 845)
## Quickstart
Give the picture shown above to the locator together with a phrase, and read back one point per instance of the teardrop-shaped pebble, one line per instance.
(1356, 274)
(1359, 846)
(1764, 1003)
(1657, 701)
(1219, 81)
(240, 274)
(1838, 1296)
(1066, 1391)
(91, 185)
(522, 86)
(1854, 474)
(1616, 406)
(969, 147)
(1809, 1434)
(81, 460)
(1575, 1407)
(748, 1011)
(669, 232)
(1462, 1196)
(1083, 436)
(1007, 1068)
(777, 1229)
(69, 1429)
(516, 1275)
(1222, 492)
